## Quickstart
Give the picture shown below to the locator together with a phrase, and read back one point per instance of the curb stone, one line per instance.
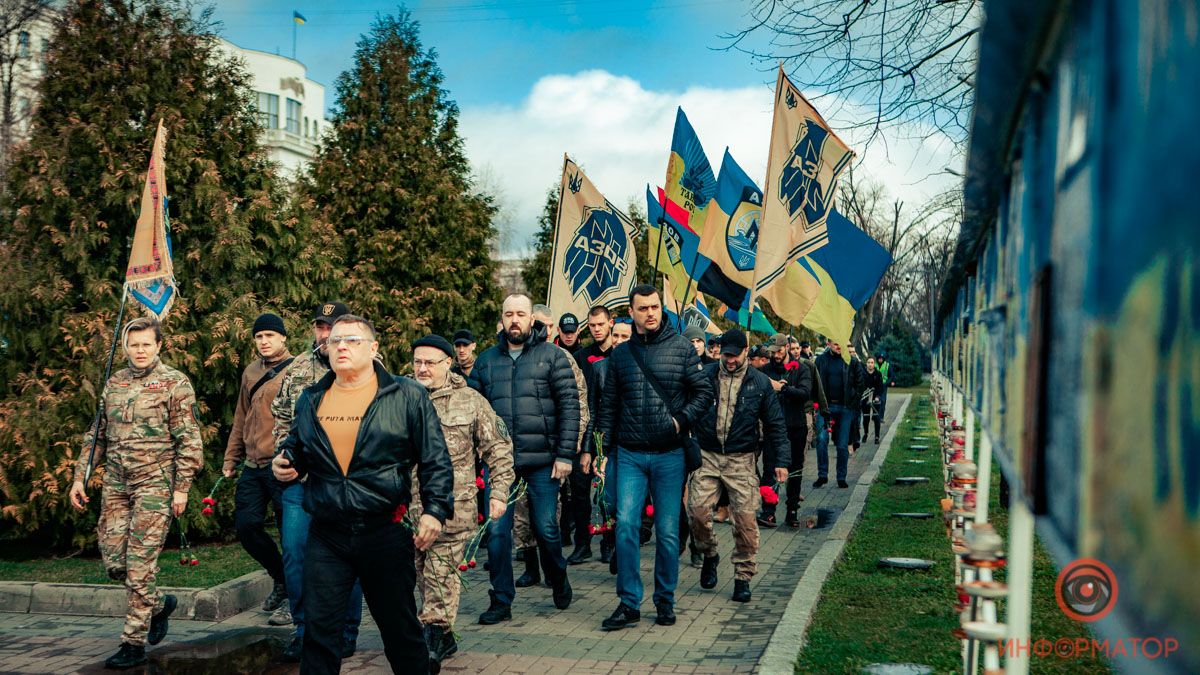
(198, 604)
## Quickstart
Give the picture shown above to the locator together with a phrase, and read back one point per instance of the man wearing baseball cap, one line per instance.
(568, 333)
(464, 353)
(728, 434)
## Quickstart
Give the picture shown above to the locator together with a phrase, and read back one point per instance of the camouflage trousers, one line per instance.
(438, 579)
(522, 529)
(133, 526)
(739, 474)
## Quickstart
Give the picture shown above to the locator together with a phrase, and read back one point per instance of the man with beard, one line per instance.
(531, 386)
(728, 434)
(793, 383)
(305, 371)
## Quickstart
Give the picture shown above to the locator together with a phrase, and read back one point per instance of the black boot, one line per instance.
(496, 612)
(606, 547)
(531, 577)
(741, 590)
(158, 622)
(708, 573)
(583, 547)
(127, 656)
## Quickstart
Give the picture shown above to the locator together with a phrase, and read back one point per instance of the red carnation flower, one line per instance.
(649, 510)
(479, 482)
(209, 501)
(769, 496)
(816, 406)
(195, 562)
(593, 359)
(183, 561)
(462, 567)
(207, 511)
(401, 511)
(471, 563)
(479, 518)
(792, 365)
(591, 529)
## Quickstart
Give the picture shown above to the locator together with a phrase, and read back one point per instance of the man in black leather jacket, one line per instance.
(531, 386)
(729, 440)
(357, 434)
(649, 434)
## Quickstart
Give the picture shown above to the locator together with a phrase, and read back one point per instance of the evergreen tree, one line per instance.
(536, 271)
(115, 69)
(393, 179)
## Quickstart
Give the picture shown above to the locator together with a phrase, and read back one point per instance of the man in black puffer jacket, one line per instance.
(649, 433)
(729, 440)
(357, 434)
(531, 386)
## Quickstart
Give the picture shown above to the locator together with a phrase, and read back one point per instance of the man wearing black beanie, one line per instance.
(252, 445)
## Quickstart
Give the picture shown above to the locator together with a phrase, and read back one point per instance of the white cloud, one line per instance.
(621, 134)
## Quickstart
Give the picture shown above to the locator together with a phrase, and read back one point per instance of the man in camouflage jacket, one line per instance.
(472, 430)
(148, 439)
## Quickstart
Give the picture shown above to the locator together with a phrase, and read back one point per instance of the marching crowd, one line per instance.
(378, 483)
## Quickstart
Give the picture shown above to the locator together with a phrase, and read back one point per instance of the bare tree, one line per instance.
(878, 64)
(919, 241)
(19, 70)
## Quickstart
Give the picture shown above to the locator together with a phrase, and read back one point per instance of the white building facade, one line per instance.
(290, 106)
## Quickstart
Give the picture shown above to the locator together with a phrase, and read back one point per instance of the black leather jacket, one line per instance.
(756, 402)
(632, 414)
(796, 395)
(400, 430)
(536, 397)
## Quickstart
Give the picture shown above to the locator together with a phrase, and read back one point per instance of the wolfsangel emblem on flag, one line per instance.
(596, 263)
(741, 232)
(799, 182)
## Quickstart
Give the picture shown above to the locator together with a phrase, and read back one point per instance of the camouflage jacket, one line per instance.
(472, 429)
(304, 371)
(148, 429)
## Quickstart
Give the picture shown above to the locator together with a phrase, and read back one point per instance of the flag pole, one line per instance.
(112, 352)
(662, 224)
(557, 218)
(766, 183)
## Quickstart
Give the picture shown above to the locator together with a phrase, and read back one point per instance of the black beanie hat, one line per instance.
(437, 342)
(269, 321)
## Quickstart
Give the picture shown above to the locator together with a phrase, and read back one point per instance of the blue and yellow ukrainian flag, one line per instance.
(298, 18)
(823, 291)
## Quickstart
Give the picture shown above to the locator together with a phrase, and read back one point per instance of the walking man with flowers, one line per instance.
(473, 431)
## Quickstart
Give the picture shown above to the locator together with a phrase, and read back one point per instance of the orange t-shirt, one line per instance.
(340, 415)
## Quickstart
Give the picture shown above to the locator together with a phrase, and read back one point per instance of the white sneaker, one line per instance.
(281, 616)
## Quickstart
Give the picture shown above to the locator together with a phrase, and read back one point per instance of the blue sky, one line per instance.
(493, 51)
(599, 80)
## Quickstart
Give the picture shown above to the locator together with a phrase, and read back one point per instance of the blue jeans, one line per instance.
(295, 540)
(842, 416)
(543, 508)
(662, 475)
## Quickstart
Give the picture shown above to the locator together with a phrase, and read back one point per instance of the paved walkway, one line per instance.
(712, 635)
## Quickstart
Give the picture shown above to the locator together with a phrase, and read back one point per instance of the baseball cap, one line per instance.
(329, 312)
(464, 337)
(778, 341)
(714, 340)
(733, 341)
(568, 323)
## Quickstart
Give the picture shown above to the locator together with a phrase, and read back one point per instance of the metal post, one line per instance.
(1020, 585)
(983, 476)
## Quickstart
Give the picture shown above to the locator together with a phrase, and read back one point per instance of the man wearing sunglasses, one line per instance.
(358, 435)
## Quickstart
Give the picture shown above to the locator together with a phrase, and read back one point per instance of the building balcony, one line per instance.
(286, 140)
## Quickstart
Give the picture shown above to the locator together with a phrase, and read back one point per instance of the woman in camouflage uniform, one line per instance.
(149, 440)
